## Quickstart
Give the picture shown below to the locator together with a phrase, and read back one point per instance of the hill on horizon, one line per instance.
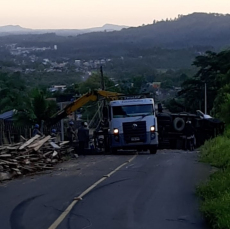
(197, 29)
(17, 29)
(172, 43)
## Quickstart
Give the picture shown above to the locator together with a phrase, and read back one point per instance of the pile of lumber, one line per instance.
(30, 156)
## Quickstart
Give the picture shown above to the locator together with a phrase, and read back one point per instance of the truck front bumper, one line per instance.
(118, 141)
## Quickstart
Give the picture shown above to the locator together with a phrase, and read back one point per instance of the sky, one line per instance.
(79, 14)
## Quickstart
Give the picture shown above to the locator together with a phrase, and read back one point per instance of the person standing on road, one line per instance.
(36, 131)
(189, 131)
(83, 137)
(71, 132)
(86, 134)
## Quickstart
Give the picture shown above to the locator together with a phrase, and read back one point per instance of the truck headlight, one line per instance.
(115, 131)
(152, 128)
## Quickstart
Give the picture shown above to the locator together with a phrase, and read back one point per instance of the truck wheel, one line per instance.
(178, 124)
(153, 150)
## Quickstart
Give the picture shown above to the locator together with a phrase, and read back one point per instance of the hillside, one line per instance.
(170, 44)
(13, 28)
(17, 30)
(197, 29)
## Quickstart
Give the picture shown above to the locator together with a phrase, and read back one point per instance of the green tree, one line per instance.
(35, 108)
(43, 109)
(94, 83)
(221, 106)
(13, 91)
(213, 71)
(133, 85)
(175, 105)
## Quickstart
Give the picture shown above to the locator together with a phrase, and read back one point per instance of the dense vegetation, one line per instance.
(215, 193)
(214, 69)
(31, 104)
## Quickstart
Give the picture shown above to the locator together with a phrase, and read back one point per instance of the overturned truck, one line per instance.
(171, 128)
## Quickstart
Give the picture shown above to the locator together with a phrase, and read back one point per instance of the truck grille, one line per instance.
(134, 131)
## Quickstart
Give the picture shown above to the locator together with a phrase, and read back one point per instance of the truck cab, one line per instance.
(133, 125)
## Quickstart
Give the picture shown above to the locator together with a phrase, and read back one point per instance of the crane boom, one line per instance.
(78, 103)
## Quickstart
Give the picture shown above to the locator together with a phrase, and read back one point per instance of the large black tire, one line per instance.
(153, 150)
(179, 124)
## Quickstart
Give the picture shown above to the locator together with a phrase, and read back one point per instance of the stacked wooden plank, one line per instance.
(30, 156)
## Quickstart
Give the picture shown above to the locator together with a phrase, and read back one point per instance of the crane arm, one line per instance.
(78, 103)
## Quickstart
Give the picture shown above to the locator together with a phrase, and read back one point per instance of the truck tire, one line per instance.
(153, 150)
(178, 124)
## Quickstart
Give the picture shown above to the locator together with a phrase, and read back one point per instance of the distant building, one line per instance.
(55, 47)
(86, 64)
(55, 88)
(156, 85)
(103, 61)
(177, 88)
(112, 79)
(45, 61)
(96, 63)
(158, 92)
(78, 63)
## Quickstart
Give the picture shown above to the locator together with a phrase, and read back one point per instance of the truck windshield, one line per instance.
(132, 111)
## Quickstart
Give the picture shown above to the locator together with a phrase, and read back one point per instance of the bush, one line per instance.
(217, 152)
(216, 210)
(215, 193)
(219, 183)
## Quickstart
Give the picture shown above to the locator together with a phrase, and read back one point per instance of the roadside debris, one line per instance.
(35, 154)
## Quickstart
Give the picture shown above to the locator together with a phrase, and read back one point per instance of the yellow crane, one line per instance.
(94, 95)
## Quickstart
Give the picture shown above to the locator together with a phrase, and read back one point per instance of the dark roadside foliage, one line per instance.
(215, 193)
(214, 69)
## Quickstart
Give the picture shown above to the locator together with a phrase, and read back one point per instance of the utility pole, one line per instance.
(103, 88)
(102, 79)
(205, 98)
(62, 125)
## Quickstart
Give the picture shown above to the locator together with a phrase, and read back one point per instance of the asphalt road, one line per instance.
(152, 191)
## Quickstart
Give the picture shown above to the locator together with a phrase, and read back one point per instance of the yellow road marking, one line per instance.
(70, 207)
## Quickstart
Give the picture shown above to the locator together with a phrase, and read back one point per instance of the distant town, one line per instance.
(29, 56)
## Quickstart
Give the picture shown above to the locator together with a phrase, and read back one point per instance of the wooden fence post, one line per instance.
(25, 132)
(9, 136)
(1, 132)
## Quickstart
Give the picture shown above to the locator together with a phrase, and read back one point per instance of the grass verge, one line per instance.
(215, 193)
